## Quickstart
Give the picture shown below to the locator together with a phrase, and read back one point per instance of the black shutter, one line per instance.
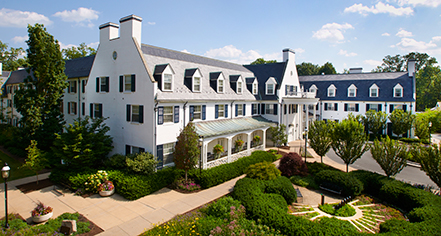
(391, 108)
(121, 83)
(258, 108)
(286, 89)
(68, 108)
(160, 155)
(128, 111)
(326, 106)
(83, 86)
(127, 149)
(141, 150)
(107, 84)
(75, 87)
(133, 83)
(97, 84)
(404, 107)
(141, 114)
(176, 114)
(100, 110)
(252, 109)
(357, 107)
(68, 87)
(191, 113)
(263, 109)
(226, 110)
(275, 109)
(244, 109)
(91, 110)
(284, 109)
(346, 107)
(83, 109)
(368, 107)
(203, 111)
(160, 115)
(216, 111)
(336, 106)
(379, 107)
(237, 109)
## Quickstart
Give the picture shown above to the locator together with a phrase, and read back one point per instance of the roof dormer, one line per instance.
(164, 75)
(352, 91)
(398, 91)
(237, 83)
(332, 90)
(313, 89)
(270, 86)
(374, 91)
(253, 85)
(193, 79)
(217, 81)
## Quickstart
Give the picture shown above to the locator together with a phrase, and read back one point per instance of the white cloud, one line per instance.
(346, 54)
(151, 23)
(426, 3)
(14, 18)
(81, 15)
(436, 38)
(373, 62)
(332, 32)
(385, 34)
(232, 54)
(64, 46)
(299, 50)
(93, 45)
(185, 51)
(411, 45)
(379, 8)
(404, 34)
(20, 39)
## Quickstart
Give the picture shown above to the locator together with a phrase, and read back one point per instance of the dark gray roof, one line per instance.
(182, 56)
(250, 80)
(263, 72)
(234, 78)
(159, 69)
(363, 81)
(5, 74)
(190, 72)
(17, 76)
(215, 75)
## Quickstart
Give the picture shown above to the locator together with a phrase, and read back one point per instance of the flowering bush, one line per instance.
(239, 144)
(41, 209)
(218, 149)
(188, 185)
(256, 139)
(106, 186)
(94, 181)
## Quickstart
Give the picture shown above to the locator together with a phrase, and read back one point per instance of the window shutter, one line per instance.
(357, 107)
(141, 114)
(263, 109)
(326, 106)
(258, 108)
(128, 110)
(203, 111)
(127, 149)
(286, 89)
(275, 109)
(160, 155)
(83, 86)
(379, 107)
(91, 110)
(75, 107)
(244, 109)
(176, 114)
(83, 109)
(346, 107)
(75, 87)
(226, 110)
(252, 108)
(391, 108)
(160, 115)
(404, 107)
(368, 107)
(237, 109)
(97, 84)
(191, 113)
(68, 87)
(336, 106)
(284, 109)
(68, 108)
(107, 84)
(100, 106)
(133, 83)
(121, 83)
(216, 111)
(141, 150)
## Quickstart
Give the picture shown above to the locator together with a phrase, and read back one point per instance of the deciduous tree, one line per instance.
(278, 134)
(398, 63)
(430, 160)
(320, 137)
(375, 121)
(76, 52)
(327, 69)
(428, 87)
(422, 129)
(389, 154)
(36, 160)
(259, 61)
(307, 68)
(187, 153)
(401, 121)
(10, 58)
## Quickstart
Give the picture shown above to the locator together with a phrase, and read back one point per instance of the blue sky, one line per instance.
(345, 33)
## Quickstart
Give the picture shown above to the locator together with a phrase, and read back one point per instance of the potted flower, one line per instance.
(41, 213)
(106, 189)
(94, 181)
(256, 140)
(218, 150)
(239, 144)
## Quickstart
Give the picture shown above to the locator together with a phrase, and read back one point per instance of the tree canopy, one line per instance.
(389, 154)
(428, 87)
(259, 61)
(375, 121)
(398, 63)
(76, 52)
(10, 58)
(402, 121)
(430, 160)
(319, 134)
(186, 153)
(307, 68)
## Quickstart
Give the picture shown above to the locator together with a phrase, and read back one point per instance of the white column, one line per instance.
(307, 116)
(264, 139)
(229, 146)
(249, 143)
(204, 155)
(315, 109)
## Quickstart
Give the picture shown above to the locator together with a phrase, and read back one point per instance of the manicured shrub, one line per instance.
(263, 171)
(224, 208)
(292, 164)
(315, 167)
(337, 180)
(345, 211)
(141, 163)
(306, 181)
(116, 161)
(283, 187)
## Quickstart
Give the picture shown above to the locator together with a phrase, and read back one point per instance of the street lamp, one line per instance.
(430, 133)
(200, 143)
(306, 141)
(5, 175)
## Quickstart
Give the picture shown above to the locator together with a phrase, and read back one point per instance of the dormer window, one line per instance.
(196, 84)
(332, 90)
(398, 91)
(255, 88)
(373, 91)
(270, 86)
(313, 89)
(239, 87)
(164, 75)
(167, 82)
(270, 89)
(236, 83)
(352, 91)
(192, 79)
(220, 86)
(217, 82)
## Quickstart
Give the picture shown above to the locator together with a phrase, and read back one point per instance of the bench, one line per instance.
(331, 188)
(299, 196)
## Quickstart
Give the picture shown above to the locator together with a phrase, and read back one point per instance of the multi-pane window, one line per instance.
(270, 89)
(351, 92)
(351, 107)
(221, 110)
(72, 86)
(240, 109)
(269, 108)
(220, 86)
(9, 89)
(255, 88)
(168, 153)
(168, 114)
(135, 113)
(374, 92)
(239, 87)
(255, 108)
(331, 107)
(168, 82)
(104, 84)
(128, 83)
(72, 108)
(97, 112)
(197, 112)
(196, 84)
(398, 92)
(331, 92)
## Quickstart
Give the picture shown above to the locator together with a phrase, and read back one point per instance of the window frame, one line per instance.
(197, 78)
(133, 114)
(169, 154)
(400, 92)
(197, 112)
(221, 110)
(169, 115)
(129, 78)
(220, 87)
(72, 108)
(239, 86)
(72, 86)
(255, 86)
(164, 82)
(268, 92)
(269, 109)
(103, 85)
(239, 109)
(96, 110)
(371, 92)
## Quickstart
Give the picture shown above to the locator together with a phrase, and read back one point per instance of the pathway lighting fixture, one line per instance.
(430, 133)
(200, 143)
(5, 175)
(306, 141)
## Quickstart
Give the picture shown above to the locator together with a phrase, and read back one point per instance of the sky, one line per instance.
(346, 33)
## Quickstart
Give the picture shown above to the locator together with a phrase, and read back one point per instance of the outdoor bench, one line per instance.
(331, 188)
(299, 196)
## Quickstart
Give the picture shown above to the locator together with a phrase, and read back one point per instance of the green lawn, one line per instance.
(15, 172)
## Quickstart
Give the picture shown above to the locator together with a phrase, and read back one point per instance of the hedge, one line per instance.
(348, 184)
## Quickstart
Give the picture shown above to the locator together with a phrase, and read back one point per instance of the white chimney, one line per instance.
(108, 31)
(131, 27)
(355, 70)
(288, 54)
(411, 67)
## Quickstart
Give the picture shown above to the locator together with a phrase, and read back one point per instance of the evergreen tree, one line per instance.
(320, 137)
(389, 154)
(375, 121)
(401, 121)
(187, 153)
(39, 99)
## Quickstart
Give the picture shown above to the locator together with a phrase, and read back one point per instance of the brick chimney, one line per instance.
(411, 67)
(131, 27)
(108, 31)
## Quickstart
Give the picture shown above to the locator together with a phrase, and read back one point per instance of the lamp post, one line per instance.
(200, 143)
(5, 175)
(306, 141)
(430, 133)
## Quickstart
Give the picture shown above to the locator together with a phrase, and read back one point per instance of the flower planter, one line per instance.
(42, 218)
(107, 193)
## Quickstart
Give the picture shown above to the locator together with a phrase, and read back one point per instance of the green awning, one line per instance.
(228, 126)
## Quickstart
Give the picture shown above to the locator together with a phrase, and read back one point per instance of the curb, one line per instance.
(413, 164)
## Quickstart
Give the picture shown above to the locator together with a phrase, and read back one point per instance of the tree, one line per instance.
(430, 160)
(389, 154)
(84, 144)
(422, 129)
(398, 63)
(401, 121)
(76, 52)
(278, 134)
(428, 87)
(187, 153)
(319, 134)
(375, 121)
(39, 103)
(10, 58)
(349, 140)
(35, 161)
(327, 69)
(307, 68)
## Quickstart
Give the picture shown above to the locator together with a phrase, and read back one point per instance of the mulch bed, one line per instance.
(33, 186)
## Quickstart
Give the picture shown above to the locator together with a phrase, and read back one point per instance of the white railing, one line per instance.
(301, 94)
